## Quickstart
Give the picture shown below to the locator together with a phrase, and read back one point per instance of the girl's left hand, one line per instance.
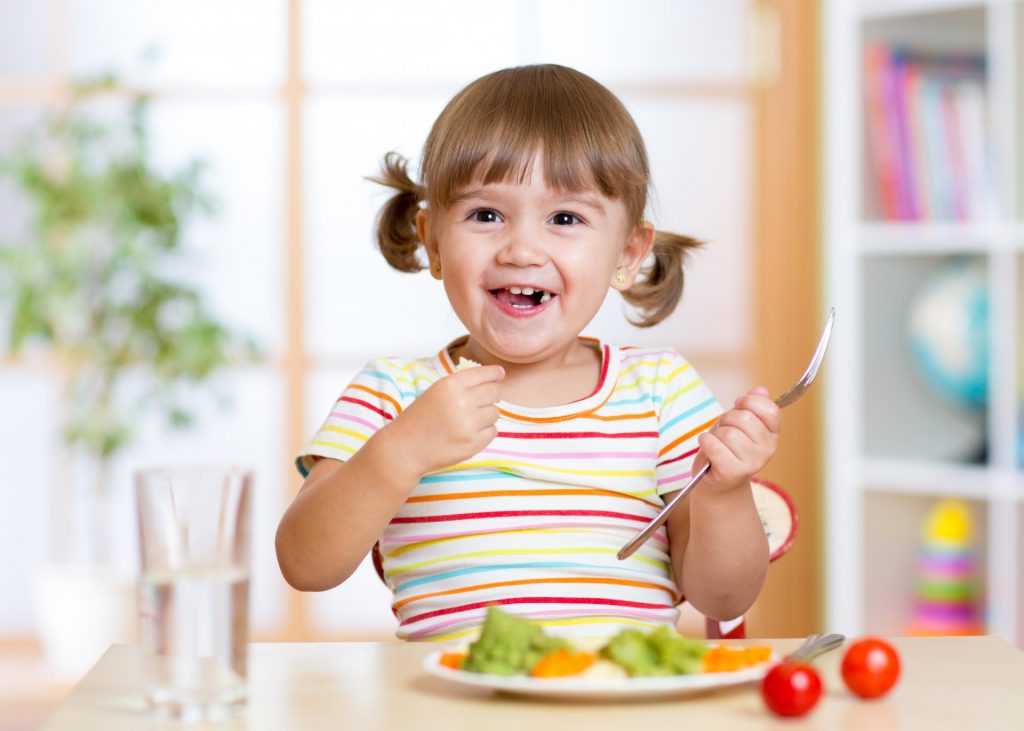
(740, 443)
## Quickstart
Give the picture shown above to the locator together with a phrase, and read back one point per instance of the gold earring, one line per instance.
(436, 267)
(620, 277)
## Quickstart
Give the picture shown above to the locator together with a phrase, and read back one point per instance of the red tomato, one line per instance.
(871, 667)
(791, 688)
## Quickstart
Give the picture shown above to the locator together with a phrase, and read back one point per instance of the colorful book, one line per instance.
(926, 134)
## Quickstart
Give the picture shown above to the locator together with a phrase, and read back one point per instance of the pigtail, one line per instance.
(660, 285)
(396, 222)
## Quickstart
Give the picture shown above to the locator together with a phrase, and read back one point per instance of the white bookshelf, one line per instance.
(891, 449)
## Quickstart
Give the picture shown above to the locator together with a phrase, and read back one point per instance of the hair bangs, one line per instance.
(495, 129)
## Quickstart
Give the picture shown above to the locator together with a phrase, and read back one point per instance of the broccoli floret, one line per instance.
(509, 645)
(661, 652)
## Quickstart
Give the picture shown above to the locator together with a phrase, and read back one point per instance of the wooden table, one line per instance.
(973, 683)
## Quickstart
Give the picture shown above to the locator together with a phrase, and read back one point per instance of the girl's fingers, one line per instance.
(487, 415)
(471, 377)
(746, 421)
(721, 445)
(758, 402)
(720, 457)
(743, 439)
(484, 393)
(732, 452)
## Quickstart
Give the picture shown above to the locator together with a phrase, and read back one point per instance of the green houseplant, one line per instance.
(96, 285)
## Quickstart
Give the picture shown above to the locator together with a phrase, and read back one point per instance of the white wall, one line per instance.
(378, 74)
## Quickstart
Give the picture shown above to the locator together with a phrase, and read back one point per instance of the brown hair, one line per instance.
(494, 128)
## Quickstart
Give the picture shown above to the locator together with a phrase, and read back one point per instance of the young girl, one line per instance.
(516, 482)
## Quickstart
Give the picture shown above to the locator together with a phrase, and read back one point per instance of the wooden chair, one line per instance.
(779, 518)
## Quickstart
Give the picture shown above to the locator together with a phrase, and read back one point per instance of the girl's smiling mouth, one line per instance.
(521, 301)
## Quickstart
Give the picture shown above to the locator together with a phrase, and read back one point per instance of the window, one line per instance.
(290, 256)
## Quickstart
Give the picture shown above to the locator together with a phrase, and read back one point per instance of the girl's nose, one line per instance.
(522, 247)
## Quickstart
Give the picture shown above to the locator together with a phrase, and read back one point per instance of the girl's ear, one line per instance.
(429, 244)
(638, 246)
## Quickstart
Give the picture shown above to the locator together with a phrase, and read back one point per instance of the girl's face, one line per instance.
(526, 267)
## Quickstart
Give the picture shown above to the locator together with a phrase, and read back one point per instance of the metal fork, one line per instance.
(815, 645)
(794, 393)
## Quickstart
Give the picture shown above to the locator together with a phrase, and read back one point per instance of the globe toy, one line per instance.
(948, 332)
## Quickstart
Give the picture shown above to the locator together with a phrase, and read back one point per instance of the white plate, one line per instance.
(598, 689)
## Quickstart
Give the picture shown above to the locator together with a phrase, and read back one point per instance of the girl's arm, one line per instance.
(340, 511)
(718, 548)
(719, 551)
(343, 507)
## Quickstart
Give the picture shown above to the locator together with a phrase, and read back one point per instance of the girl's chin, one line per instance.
(520, 350)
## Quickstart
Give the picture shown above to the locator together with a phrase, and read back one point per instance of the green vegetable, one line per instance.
(509, 645)
(661, 652)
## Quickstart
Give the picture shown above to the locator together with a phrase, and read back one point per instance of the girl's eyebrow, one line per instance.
(584, 200)
(465, 195)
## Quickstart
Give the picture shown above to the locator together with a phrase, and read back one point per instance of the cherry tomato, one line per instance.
(871, 667)
(791, 688)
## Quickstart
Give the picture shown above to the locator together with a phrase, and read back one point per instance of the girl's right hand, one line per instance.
(453, 420)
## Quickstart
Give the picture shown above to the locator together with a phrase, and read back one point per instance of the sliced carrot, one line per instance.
(723, 658)
(562, 662)
(453, 660)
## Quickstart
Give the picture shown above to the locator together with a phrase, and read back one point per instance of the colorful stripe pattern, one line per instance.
(533, 522)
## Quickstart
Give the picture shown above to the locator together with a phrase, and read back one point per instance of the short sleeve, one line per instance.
(686, 409)
(368, 403)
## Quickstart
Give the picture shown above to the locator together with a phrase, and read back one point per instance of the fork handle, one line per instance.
(640, 538)
(816, 645)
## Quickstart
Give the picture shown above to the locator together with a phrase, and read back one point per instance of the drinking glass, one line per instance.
(194, 589)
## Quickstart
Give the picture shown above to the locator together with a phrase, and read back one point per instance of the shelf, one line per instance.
(938, 238)
(927, 478)
(924, 230)
(1013, 359)
(891, 9)
(1016, 558)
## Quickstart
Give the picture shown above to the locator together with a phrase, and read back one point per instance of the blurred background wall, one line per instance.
(292, 103)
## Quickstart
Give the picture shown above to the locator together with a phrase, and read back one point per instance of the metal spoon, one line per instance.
(795, 392)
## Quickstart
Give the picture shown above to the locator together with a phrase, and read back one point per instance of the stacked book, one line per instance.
(927, 135)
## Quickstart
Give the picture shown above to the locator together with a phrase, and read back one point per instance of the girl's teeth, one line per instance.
(529, 292)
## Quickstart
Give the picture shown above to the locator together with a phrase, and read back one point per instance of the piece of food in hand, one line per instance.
(791, 688)
(509, 645)
(661, 652)
(726, 658)
(870, 667)
(466, 363)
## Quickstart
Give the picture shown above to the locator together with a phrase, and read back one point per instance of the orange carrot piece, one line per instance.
(723, 658)
(561, 663)
(453, 660)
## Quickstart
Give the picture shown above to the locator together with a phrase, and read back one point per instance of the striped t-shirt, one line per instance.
(533, 522)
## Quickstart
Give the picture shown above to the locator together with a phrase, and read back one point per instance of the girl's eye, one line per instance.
(484, 216)
(565, 219)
